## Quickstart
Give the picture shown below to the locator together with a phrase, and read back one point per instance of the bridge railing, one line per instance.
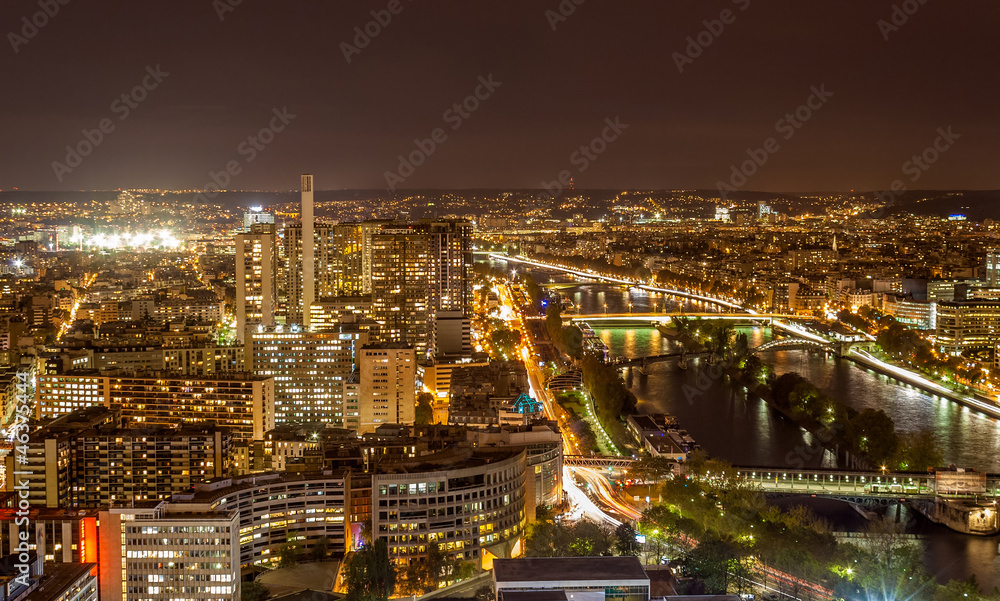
(820, 481)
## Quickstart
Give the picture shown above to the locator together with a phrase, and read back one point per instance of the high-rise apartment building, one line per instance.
(387, 385)
(308, 250)
(309, 370)
(87, 459)
(338, 268)
(419, 270)
(256, 277)
(242, 402)
(993, 267)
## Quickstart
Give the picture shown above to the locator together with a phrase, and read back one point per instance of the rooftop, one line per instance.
(542, 569)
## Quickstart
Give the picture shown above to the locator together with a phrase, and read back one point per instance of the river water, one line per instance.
(745, 431)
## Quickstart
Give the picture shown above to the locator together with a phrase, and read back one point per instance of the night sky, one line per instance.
(606, 60)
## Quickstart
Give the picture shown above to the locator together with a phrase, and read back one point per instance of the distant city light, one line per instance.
(135, 240)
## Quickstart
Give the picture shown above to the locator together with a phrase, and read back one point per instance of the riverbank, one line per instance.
(914, 379)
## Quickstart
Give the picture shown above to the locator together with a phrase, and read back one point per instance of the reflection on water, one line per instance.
(748, 432)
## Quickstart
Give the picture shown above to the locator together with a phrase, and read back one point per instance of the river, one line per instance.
(746, 431)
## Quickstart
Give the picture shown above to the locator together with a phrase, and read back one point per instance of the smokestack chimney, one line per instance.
(308, 249)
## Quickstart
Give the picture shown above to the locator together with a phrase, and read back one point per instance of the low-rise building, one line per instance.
(602, 578)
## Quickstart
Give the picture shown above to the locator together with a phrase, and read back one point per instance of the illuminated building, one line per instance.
(309, 370)
(256, 278)
(67, 536)
(256, 215)
(272, 506)
(543, 445)
(241, 402)
(993, 267)
(193, 546)
(419, 270)
(387, 386)
(331, 312)
(606, 578)
(338, 266)
(85, 460)
(921, 315)
(308, 250)
(967, 326)
(470, 502)
(149, 551)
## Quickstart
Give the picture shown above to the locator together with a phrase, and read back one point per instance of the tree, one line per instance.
(484, 593)
(873, 433)
(893, 564)
(918, 451)
(288, 553)
(254, 591)
(709, 562)
(651, 469)
(424, 413)
(321, 548)
(370, 576)
(960, 590)
(625, 540)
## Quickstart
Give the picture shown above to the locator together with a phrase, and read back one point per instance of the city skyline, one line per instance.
(537, 300)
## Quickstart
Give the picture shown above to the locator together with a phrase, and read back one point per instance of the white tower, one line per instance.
(308, 251)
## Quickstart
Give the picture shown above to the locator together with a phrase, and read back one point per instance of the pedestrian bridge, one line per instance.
(598, 461)
(886, 485)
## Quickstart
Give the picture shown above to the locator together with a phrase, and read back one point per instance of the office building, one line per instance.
(149, 551)
(967, 326)
(309, 370)
(273, 506)
(387, 385)
(256, 278)
(921, 315)
(469, 502)
(543, 445)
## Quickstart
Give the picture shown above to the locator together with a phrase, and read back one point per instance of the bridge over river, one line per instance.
(963, 500)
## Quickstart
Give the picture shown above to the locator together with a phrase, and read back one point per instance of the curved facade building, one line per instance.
(469, 501)
(273, 506)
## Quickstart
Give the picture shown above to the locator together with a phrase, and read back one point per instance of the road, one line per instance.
(584, 506)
